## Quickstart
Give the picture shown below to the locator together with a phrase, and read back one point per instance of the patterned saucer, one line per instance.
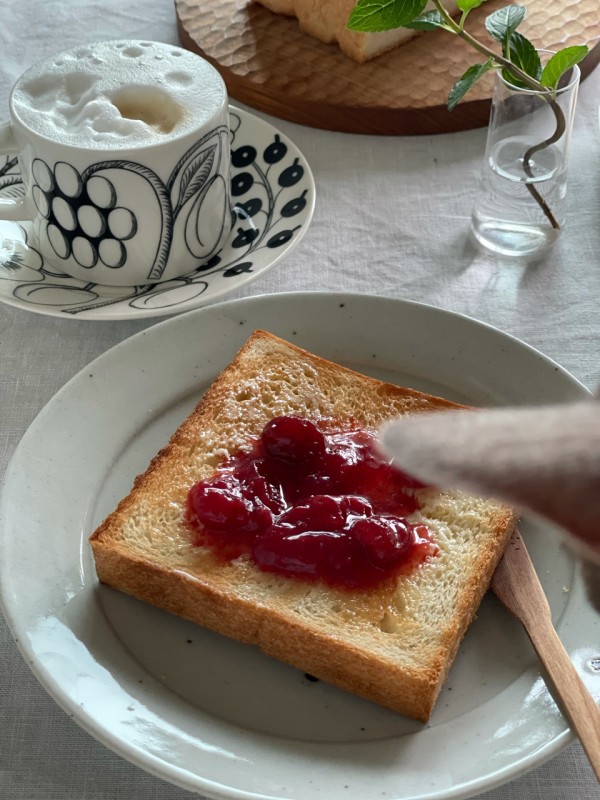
(274, 194)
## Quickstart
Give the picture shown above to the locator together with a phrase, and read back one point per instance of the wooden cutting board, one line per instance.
(269, 64)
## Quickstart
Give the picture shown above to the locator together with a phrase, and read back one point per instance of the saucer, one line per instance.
(273, 192)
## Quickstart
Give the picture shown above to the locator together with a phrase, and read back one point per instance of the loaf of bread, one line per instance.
(327, 20)
(392, 644)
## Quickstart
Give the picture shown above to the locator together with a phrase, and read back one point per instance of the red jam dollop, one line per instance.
(312, 503)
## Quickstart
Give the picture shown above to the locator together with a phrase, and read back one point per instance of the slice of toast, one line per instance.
(393, 644)
(328, 22)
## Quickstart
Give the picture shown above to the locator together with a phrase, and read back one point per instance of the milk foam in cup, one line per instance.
(117, 94)
(124, 152)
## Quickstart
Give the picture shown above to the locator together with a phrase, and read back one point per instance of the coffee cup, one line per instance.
(124, 152)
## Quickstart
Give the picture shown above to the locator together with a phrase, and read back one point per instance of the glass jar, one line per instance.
(521, 201)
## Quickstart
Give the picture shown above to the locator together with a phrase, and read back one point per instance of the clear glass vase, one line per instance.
(521, 200)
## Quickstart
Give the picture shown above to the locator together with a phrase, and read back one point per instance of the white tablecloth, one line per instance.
(392, 218)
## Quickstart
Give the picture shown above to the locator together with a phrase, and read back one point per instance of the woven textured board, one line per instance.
(269, 64)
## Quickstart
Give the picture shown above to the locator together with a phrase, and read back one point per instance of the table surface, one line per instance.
(392, 218)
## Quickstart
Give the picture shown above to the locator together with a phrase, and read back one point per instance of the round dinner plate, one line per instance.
(273, 192)
(218, 717)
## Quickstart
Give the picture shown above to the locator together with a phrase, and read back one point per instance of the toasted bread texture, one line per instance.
(393, 644)
(328, 21)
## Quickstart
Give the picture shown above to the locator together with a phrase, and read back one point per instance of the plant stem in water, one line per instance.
(543, 91)
(556, 136)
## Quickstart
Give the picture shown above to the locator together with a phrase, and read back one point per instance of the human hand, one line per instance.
(545, 460)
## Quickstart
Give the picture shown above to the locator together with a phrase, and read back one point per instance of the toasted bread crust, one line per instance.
(393, 645)
(327, 22)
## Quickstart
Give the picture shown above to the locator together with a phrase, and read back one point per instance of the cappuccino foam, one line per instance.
(118, 94)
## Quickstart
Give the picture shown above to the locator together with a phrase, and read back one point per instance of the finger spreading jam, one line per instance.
(312, 503)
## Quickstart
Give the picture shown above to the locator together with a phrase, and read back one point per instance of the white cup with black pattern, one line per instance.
(123, 148)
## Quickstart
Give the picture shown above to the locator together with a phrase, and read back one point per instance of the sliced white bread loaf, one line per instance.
(393, 644)
(327, 20)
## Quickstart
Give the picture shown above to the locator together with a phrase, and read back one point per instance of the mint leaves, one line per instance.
(384, 15)
(468, 5)
(463, 84)
(560, 63)
(503, 23)
(519, 60)
(427, 21)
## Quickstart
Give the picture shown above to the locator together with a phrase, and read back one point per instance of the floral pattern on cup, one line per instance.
(90, 217)
(11, 182)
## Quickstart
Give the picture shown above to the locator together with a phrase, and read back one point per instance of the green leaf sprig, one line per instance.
(518, 59)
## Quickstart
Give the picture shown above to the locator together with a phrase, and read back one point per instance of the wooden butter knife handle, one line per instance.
(517, 586)
(577, 703)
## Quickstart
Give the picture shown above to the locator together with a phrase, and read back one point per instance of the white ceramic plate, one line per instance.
(274, 194)
(215, 716)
